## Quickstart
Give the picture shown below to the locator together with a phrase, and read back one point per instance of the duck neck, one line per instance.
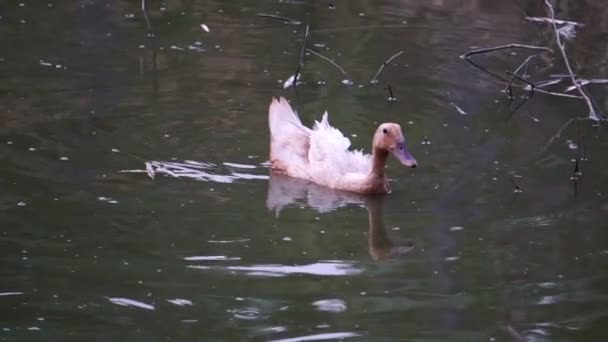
(379, 157)
(379, 243)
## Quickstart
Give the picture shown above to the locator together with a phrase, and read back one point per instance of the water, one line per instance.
(488, 240)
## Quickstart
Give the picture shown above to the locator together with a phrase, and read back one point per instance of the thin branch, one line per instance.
(385, 63)
(524, 63)
(503, 47)
(330, 61)
(553, 21)
(560, 131)
(278, 17)
(535, 87)
(530, 87)
(470, 53)
(557, 94)
(391, 96)
(143, 9)
(301, 61)
(592, 113)
(547, 83)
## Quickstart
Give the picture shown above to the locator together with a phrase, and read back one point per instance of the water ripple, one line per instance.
(320, 337)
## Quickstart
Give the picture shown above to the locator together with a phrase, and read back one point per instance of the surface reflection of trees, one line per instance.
(284, 191)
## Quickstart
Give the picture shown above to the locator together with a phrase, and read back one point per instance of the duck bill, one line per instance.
(405, 157)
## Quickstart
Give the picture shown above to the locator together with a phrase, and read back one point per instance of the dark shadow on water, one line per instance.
(284, 191)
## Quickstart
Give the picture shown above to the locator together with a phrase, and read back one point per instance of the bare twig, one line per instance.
(535, 87)
(530, 87)
(560, 131)
(592, 114)
(542, 91)
(551, 21)
(547, 83)
(278, 17)
(503, 47)
(301, 61)
(391, 96)
(330, 61)
(576, 171)
(385, 63)
(470, 53)
(583, 82)
(143, 10)
(524, 63)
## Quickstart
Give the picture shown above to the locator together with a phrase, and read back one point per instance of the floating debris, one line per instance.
(278, 17)
(130, 302)
(180, 302)
(289, 82)
(571, 145)
(330, 305)
(211, 258)
(205, 27)
(107, 200)
(460, 110)
(229, 241)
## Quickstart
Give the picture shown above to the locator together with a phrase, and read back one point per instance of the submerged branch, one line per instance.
(521, 66)
(301, 61)
(330, 61)
(470, 53)
(560, 131)
(503, 47)
(385, 63)
(278, 17)
(143, 10)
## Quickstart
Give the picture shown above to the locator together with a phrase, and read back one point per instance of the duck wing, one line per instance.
(329, 149)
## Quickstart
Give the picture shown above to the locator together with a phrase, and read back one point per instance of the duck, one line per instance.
(321, 154)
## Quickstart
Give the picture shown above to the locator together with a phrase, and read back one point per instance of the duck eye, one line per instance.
(384, 131)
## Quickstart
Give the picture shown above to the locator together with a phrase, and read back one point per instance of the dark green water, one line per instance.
(92, 253)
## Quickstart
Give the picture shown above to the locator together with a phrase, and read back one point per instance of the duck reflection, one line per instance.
(284, 190)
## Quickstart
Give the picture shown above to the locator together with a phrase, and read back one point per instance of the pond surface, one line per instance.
(489, 239)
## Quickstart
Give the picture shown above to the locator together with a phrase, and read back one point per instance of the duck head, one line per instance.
(389, 138)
